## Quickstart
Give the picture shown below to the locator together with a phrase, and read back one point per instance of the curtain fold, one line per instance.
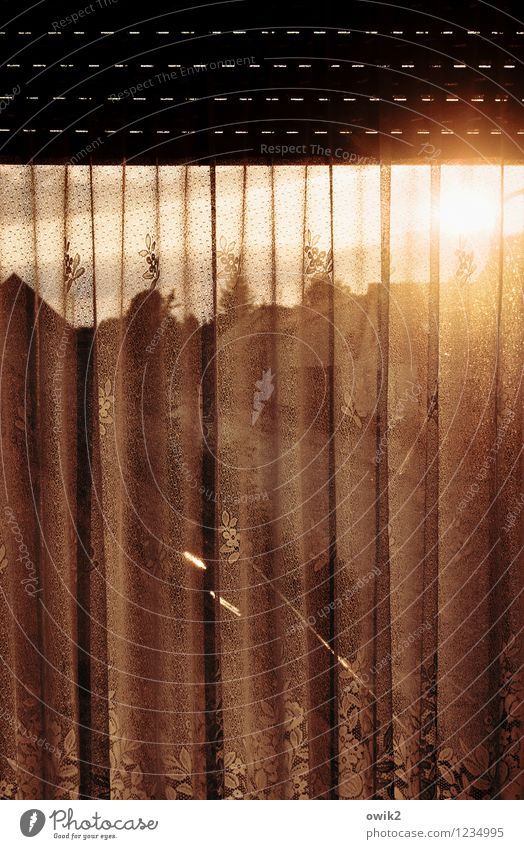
(262, 500)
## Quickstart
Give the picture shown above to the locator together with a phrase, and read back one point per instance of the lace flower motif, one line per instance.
(465, 267)
(150, 253)
(105, 401)
(72, 269)
(231, 537)
(317, 262)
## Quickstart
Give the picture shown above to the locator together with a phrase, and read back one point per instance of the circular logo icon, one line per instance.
(32, 822)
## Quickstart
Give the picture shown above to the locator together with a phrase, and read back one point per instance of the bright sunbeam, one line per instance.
(196, 561)
(465, 211)
(228, 606)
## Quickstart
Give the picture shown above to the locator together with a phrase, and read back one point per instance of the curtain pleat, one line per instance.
(261, 510)
(410, 440)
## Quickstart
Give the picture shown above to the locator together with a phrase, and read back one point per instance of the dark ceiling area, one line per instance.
(246, 81)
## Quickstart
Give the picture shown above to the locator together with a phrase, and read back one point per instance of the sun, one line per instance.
(471, 202)
(464, 211)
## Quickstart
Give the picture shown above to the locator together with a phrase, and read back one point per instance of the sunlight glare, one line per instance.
(196, 561)
(466, 211)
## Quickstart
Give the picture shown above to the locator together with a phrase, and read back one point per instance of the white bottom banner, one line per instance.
(252, 824)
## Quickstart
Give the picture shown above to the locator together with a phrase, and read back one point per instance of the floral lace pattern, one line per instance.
(23, 782)
(72, 268)
(274, 750)
(228, 261)
(179, 770)
(317, 262)
(465, 265)
(105, 405)
(231, 546)
(478, 773)
(65, 768)
(355, 734)
(127, 778)
(150, 254)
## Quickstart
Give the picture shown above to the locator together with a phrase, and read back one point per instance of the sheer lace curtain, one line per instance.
(262, 500)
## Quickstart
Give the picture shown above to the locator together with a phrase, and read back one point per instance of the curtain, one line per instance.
(262, 481)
